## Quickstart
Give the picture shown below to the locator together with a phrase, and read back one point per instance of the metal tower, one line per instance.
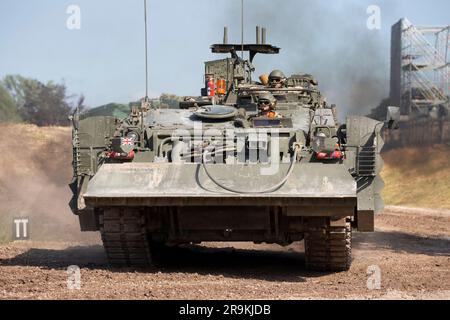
(420, 69)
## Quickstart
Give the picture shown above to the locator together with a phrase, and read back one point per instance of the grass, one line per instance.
(5, 227)
(418, 177)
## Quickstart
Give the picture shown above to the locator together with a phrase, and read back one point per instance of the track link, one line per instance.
(125, 238)
(327, 244)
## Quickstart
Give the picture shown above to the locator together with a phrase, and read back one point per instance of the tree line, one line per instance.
(31, 101)
(48, 104)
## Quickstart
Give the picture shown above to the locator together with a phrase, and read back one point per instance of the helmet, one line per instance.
(277, 75)
(266, 96)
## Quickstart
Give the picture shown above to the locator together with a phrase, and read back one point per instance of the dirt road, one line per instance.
(411, 249)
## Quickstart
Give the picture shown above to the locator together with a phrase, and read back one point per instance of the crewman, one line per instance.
(277, 79)
(267, 105)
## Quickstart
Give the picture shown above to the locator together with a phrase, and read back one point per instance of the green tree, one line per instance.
(8, 109)
(170, 101)
(38, 103)
(117, 110)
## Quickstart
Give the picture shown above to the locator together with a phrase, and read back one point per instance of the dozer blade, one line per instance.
(169, 184)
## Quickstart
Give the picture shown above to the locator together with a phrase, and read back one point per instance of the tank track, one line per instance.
(327, 244)
(125, 238)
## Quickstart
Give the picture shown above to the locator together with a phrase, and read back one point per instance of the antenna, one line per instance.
(242, 29)
(258, 35)
(146, 51)
(225, 35)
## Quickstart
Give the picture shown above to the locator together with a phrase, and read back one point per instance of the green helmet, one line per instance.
(266, 96)
(277, 75)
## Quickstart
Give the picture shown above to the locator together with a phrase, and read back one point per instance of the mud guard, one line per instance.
(364, 145)
(90, 137)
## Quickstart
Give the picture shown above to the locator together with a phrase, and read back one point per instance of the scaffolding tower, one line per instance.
(420, 69)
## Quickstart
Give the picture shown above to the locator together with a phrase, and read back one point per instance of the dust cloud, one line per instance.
(34, 176)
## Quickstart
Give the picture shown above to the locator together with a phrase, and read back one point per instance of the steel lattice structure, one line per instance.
(420, 69)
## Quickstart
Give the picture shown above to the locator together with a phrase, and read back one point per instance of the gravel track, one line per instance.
(411, 248)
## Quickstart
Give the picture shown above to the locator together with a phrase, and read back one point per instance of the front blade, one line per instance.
(188, 184)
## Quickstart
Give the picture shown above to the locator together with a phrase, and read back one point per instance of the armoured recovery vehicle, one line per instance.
(218, 169)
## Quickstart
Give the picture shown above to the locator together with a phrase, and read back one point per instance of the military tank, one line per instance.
(219, 168)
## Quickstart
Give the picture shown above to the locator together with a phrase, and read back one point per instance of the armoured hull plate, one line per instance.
(163, 184)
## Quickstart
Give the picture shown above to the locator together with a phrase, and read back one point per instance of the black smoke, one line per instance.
(328, 39)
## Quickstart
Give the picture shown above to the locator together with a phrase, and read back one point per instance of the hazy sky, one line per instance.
(104, 60)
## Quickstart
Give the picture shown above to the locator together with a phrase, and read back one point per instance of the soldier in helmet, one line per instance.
(267, 105)
(277, 79)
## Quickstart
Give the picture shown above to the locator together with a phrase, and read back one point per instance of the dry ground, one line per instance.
(411, 247)
(412, 250)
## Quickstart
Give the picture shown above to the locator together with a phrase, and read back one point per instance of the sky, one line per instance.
(104, 59)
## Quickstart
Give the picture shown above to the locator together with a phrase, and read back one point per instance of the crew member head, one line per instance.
(267, 104)
(277, 79)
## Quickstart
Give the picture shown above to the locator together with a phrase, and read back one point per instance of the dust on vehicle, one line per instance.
(265, 162)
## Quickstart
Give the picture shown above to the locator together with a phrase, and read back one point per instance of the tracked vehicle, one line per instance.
(218, 170)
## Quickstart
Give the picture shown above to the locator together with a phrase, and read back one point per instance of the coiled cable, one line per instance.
(269, 190)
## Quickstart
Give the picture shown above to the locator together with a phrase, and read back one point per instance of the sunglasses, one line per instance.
(265, 102)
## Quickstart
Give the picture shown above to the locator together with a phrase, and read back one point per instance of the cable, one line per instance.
(160, 146)
(270, 190)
